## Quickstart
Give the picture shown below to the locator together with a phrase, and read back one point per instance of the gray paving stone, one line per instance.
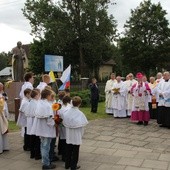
(121, 140)
(107, 159)
(138, 143)
(104, 138)
(165, 157)
(130, 161)
(141, 149)
(104, 151)
(110, 167)
(118, 145)
(136, 168)
(146, 155)
(154, 139)
(122, 146)
(103, 144)
(125, 153)
(87, 149)
(155, 164)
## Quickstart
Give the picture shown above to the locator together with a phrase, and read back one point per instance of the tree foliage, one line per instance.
(80, 30)
(4, 60)
(144, 45)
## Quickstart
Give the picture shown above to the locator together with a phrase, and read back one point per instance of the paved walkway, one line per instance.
(109, 144)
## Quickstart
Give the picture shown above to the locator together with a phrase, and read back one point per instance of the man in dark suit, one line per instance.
(94, 95)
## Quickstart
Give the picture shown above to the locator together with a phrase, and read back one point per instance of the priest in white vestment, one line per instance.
(159, 77)
(129, 83)
(164, 100)
(119, 92)
(109, 94)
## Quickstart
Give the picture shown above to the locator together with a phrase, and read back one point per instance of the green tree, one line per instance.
(79, 30)
(4, 60)
(146, 35)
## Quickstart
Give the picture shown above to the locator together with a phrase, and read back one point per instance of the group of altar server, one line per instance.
(39, 121)
(139, 99)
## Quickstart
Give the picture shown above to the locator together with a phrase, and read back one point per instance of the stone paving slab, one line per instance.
(109, 144)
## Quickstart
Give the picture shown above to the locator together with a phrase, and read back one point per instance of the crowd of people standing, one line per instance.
(139, 99)
(47, 123)
(43, 127)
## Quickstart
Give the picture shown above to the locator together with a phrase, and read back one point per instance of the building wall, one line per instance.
(105, 71)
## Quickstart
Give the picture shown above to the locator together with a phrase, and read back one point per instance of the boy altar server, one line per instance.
(44, 127)
(62, 130)
(30, 114)
(22, 119)
(74, 121)
(44, 83)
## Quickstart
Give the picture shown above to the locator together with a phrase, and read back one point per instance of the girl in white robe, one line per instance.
(74, 121)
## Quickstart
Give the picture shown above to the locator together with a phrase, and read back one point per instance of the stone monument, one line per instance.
(19, 62)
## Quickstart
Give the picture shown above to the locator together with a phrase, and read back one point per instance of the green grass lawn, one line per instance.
(86, 110)
(13, 127)
(99, 115)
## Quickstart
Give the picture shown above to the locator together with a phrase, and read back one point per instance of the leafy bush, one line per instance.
(85, 96)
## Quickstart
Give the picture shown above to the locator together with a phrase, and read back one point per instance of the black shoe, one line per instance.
(37, 157)
(55, 158)
(145, 123)
(51, 166)
(67, 167)
(32, 157)
(63, 159)
(27, 149)
(162, 126)
(140, 123)
(78, 167)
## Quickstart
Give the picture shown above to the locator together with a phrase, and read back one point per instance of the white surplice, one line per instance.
(26, 85)
(41, 86)
(119, 100)
(44, 125)
(109, 96)
(30, 114)
(74, 120)
(61, 113)
(164, 89)
(22, 120)
(129, 98)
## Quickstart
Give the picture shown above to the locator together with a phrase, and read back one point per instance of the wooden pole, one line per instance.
(17, 106)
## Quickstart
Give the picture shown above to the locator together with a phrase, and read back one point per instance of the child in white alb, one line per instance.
(74, 121)
(44, 127)
(30, 114)
(62, 131)
(22, 119)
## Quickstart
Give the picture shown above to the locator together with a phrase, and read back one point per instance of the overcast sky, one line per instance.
(15, 27)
